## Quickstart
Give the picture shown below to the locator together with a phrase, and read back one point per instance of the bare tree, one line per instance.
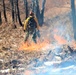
(36, 9)
(4, 11)
(15, 10)
(12, 6)
(33, 6)
(73, 17)
(42, 11)
(0, 13)
(26, 7)
(0, 18)
(18, 12)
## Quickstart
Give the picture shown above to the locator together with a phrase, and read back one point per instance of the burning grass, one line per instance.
(60, 39)
(33, 46)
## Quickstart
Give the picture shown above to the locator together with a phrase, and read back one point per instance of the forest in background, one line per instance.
(18, 10)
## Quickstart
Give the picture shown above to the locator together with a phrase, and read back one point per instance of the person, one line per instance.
(31, 25)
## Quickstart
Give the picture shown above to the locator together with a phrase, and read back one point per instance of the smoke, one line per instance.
(59, 35)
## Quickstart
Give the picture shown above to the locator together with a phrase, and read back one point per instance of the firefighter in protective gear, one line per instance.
(32, 31)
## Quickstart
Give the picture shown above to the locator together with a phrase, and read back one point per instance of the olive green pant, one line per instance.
(28, 34)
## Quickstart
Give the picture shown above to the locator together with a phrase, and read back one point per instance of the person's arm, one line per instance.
(26, 22)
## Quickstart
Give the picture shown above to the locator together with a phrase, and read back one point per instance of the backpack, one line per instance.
(31, 24)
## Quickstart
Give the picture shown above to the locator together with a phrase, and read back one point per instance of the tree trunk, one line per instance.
(0, 18)
(34, 6)
(15, 12)
(42, 11)
(26, 7)
(73, 17)
(18, 13)
(12, 5)
(4, 11)
(40, 15)
(37, 10)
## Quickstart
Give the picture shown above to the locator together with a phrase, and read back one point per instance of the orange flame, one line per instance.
(60, 39)
(73, 43)
(33, 46)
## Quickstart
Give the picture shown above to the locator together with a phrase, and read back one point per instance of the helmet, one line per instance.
(31, 13)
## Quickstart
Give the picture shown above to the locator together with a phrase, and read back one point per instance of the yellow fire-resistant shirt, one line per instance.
(25, 23)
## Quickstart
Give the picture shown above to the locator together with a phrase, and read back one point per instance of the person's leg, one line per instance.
(26, 36)
(34, 36)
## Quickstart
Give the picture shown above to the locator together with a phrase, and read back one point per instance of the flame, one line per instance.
(60, 39)
(73, 43)
(33, 46)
